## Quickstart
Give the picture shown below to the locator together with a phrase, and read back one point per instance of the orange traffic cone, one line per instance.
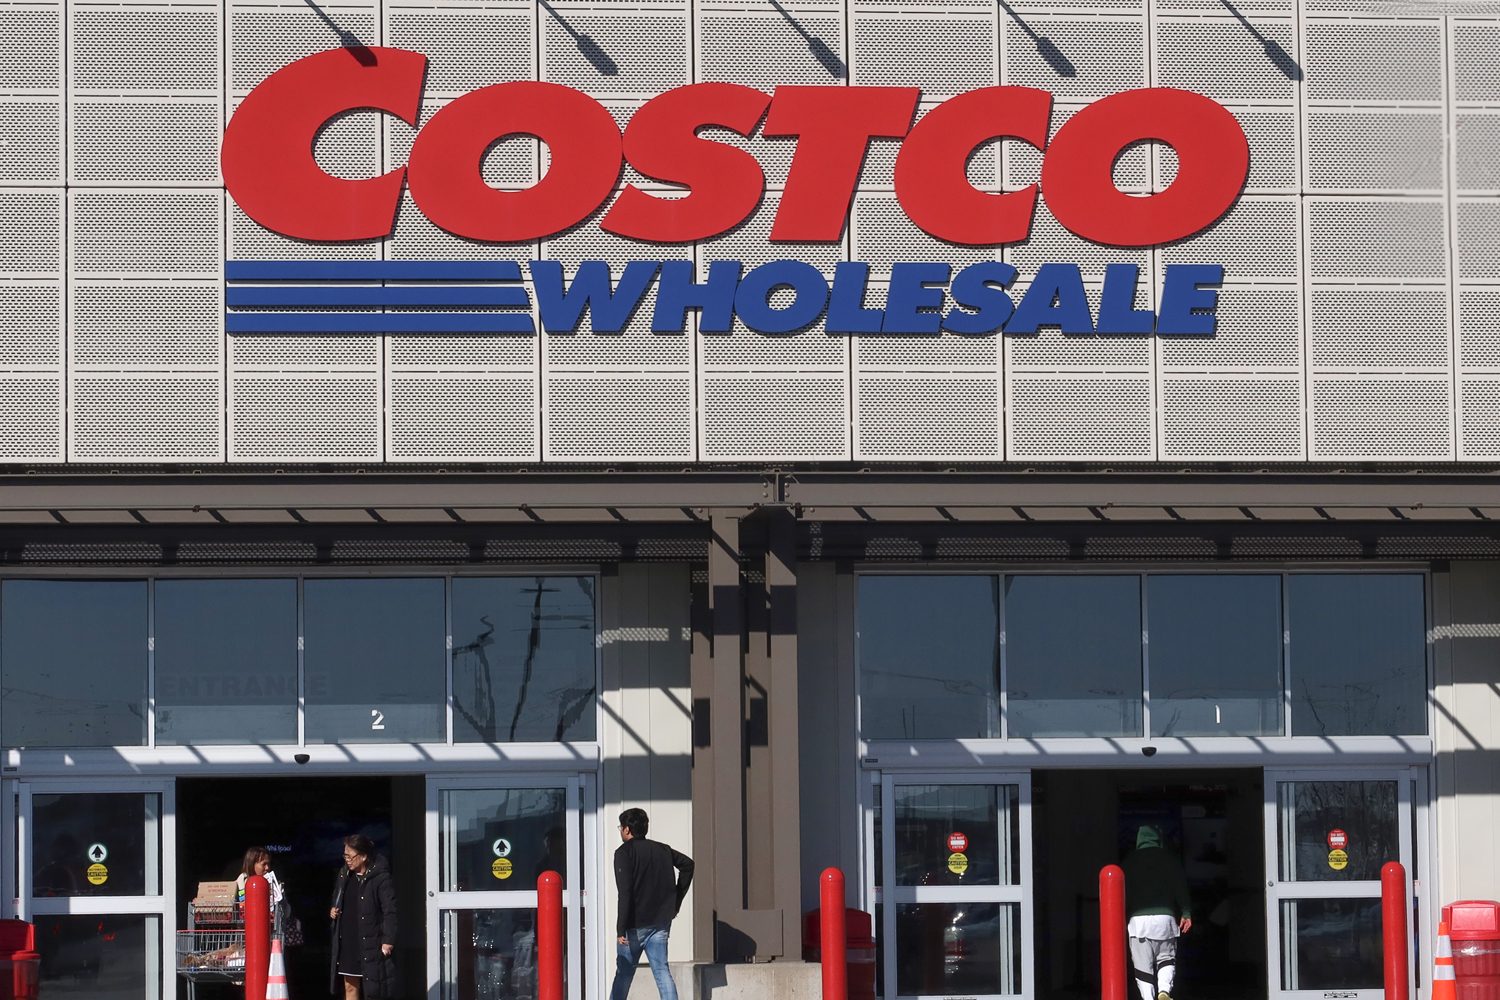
(276, 975)
(1444, 986)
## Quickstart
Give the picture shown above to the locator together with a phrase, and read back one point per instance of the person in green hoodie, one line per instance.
(1156, 898)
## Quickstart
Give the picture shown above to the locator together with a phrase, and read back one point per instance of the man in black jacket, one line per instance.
(1160, 908)
(650, 897)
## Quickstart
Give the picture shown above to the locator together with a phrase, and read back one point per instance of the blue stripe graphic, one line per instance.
(269, 322)
(372, 270)
(439, 297)
(375, 297)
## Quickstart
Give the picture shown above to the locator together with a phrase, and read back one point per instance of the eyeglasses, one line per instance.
(350, 856)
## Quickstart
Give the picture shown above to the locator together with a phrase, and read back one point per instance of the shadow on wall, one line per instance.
(358, 49)
(825, 56)
(1045, 47)
(592, 53)
(1280, 57)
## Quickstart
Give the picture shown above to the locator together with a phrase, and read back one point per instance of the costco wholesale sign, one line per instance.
(270, 171)
(825, 231)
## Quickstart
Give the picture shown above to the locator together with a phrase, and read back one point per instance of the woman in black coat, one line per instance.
(364, 925)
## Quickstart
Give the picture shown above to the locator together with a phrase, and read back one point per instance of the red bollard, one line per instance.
(1394, 936)
(1112, 933)
(834, 940)
(257, 936)
(549, 937)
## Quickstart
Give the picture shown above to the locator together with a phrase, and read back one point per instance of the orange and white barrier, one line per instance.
(276, 975)
(1444, 985)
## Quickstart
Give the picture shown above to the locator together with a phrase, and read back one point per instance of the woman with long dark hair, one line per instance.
(258, 862)
(364, 924)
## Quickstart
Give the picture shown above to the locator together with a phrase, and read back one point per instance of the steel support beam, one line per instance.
(424, 496)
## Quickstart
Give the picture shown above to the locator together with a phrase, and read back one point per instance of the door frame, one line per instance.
(1019, 894)
(18, 866)
(580, 896)
(1412, 837)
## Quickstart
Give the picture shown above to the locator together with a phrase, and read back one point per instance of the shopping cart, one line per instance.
(212, 949)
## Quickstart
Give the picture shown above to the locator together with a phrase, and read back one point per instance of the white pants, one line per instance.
(1154, 964)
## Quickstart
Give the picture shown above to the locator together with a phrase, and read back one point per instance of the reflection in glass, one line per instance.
(1073, 655)
(968, 949)
(526, 827)
(1366, 811)
(73, 663)
(491, 954)
(1358, 654)
(523, 659)
(928, 816)
(928, 657)
(1215, 655)
(1337, 944)
(226, 661)
(69, 827)
(99, 957)
(375, 661)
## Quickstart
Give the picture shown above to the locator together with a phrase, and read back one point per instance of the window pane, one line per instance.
(1073, 655)
(1365, 812)
(73, 663)
(968, 949)
(523, 659)
(927, 657)
(375, 661)
(501, 840)
(1358, 659)
(1335, 944)
(957, 835)
(226, 661)
(99, 957)
(491, 955)
(1215, 655)
(97, 844)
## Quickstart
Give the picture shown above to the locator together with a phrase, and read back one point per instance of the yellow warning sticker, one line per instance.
(958, 863)
(502, 868)
(98, 874)
(1338, 860)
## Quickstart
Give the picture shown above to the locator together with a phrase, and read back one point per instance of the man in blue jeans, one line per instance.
(650, 896)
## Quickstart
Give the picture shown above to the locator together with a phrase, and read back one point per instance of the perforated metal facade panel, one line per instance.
(622, 417)
(463, 418)
(1357, 322)
(1243, 418)
(329, 417)
(1355, 417)
(32, 430)
(927, 417)
(782, 417)
(1101, 418)
(141, 417)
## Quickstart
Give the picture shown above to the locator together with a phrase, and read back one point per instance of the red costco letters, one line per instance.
(269, 168)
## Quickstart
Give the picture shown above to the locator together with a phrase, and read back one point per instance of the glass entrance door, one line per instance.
(953, 859)
(1328, 833)
(95, 872)
(494, 837)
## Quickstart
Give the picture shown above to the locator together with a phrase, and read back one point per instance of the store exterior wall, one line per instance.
(646, 724)
(1368, 202)
(1345, 403)
(1467, 648)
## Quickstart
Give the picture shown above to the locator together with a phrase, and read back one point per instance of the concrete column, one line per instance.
(785, 744)
(1466, 641)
